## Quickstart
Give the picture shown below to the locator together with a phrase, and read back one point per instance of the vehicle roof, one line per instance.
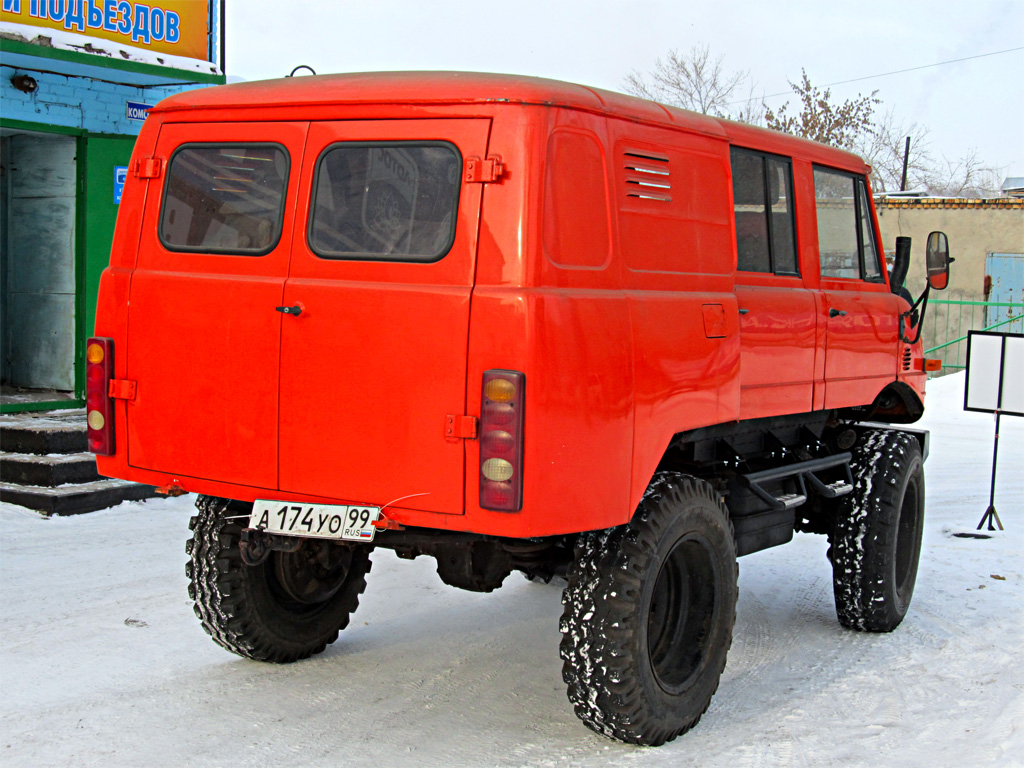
(467, 88)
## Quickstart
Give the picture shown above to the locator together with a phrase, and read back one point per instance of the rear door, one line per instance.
(203, 333)
(778, 319)
(373, 352)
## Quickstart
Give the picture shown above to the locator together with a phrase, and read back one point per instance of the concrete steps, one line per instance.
(49, 470)
(44, 466)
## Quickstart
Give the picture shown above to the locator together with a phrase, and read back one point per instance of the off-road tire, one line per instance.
(876, 543)
(246, 609)
(636, 669)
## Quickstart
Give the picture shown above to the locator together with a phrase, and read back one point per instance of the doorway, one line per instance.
(38, 212)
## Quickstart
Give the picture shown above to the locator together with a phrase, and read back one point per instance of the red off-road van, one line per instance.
(513, 324)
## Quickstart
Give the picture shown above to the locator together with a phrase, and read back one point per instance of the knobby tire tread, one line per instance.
(866, 528)
(225, 606)
(601, 617)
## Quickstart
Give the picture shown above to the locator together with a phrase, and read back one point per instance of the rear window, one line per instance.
(224, 198)
(394, 201)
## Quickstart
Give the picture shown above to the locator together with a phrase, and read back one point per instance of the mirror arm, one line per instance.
(906, 316)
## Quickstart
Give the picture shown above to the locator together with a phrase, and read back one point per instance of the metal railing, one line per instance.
(949, 320)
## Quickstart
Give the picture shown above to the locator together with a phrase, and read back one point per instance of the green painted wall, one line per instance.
(96, 157)
(103, 154)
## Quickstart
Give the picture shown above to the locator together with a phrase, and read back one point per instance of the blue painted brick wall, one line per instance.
(77, 102)
(81, 102)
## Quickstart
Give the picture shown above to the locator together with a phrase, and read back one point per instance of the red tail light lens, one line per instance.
(501, 441)
(99, 407)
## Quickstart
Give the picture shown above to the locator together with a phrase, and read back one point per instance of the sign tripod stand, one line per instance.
(995, 384)
(991, 515)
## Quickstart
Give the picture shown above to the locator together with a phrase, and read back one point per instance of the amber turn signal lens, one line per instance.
(500, 391)
(94, 354)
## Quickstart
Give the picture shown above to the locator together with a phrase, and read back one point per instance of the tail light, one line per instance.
(99, 406)
(501, 441)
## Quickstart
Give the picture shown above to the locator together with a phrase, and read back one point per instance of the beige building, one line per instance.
(986, 237)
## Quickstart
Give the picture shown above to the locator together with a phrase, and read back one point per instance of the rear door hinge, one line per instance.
(121, 389)
(484, 171)
(460, 427)
(148, 167)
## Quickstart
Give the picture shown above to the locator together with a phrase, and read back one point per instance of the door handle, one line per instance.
(744, 311)
(293, 311)
(836, 312)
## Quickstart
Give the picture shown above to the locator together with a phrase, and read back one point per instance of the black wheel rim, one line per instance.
(907, 537)
(310, 576)
(682, 614)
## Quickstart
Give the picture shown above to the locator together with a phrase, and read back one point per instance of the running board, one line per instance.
(803, 473)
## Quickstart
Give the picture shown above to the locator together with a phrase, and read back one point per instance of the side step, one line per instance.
(830, 490)
(803, 473)
(789, 500)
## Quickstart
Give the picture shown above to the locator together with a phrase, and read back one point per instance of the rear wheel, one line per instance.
(876, 543)
(649, 614)
(289, 607)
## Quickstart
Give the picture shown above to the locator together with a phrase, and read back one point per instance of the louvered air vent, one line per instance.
(907, 360)
(647, 176)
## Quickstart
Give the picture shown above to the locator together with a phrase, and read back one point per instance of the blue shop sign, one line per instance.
(136, 110)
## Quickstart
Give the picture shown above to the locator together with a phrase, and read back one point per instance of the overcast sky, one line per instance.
(976, 104)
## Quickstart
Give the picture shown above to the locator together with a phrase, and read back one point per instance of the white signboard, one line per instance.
(995, 373)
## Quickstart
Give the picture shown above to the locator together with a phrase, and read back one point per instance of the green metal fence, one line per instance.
(949, 320)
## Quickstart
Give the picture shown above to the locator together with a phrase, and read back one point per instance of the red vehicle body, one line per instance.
(599, 250)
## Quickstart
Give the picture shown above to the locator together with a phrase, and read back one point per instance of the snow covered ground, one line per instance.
(102, 662)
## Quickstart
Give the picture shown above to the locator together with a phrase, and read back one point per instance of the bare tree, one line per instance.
(884, 146)
(699, 82)
(752, 110)
(966, 177)
(820, 119)
(693, 81)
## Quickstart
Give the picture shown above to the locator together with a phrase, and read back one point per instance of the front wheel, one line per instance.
(649, 614)
(876, 543)
(289, 607)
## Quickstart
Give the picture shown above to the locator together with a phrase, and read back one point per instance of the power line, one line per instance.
(898, 71)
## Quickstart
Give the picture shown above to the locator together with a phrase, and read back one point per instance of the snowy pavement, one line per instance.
(103, 664)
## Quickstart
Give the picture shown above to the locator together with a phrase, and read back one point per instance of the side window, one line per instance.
(224, 198)
(394, 201)
(868, 251)
(846, 240)
(780, 182)
(762, 187)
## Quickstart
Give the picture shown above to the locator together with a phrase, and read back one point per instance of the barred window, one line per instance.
(224, 198)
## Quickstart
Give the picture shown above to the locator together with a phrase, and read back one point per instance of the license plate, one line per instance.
(321, 521)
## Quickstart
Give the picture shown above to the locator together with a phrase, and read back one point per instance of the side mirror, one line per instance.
(937, 260)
